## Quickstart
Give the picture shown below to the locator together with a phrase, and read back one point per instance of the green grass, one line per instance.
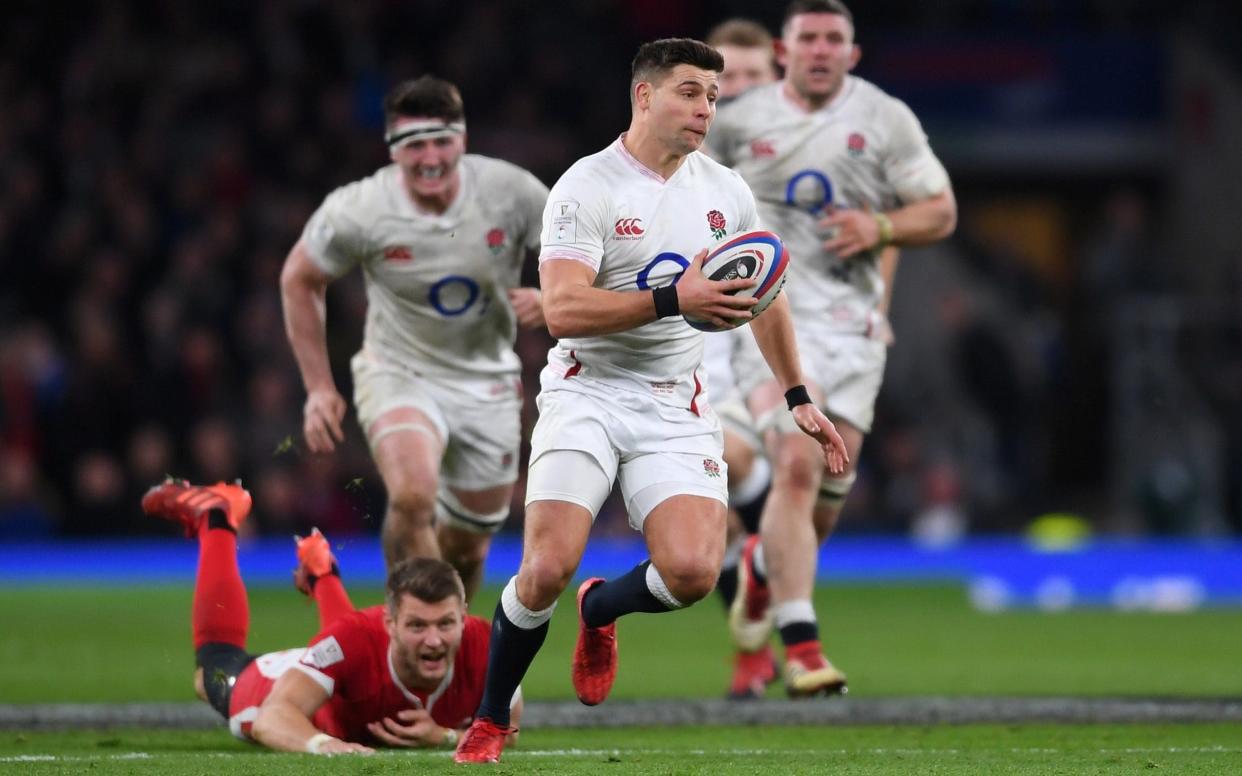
(133, 644)
(1042, 749)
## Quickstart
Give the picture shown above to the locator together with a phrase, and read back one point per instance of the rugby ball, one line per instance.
(759, 255)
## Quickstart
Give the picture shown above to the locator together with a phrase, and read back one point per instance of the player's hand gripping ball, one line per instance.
(759, 255)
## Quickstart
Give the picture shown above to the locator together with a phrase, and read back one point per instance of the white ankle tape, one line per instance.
(757, 559)
(517, 612)
(655, 583)
(788, 612)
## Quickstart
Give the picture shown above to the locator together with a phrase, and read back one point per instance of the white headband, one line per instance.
(409, 130)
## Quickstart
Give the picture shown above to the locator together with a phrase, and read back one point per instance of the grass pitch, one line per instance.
(972, 749)
(133, 644)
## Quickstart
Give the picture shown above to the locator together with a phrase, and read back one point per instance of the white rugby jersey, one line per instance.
(639, 231)
(436, 284)
(863, 148)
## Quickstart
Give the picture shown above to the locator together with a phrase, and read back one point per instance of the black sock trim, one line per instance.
(217, 519)
(799, 633)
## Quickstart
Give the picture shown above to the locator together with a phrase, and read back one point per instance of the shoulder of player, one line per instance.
(752, 98)
(476, 635)
(581, 182)
(873, 100)
(492, 169)
(363, 200)
(711, 168)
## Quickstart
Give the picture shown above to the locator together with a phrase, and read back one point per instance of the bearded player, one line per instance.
(840, 170)
(408, 673)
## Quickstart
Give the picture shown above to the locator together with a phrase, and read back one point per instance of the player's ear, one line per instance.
(780, 53)
(642, 94)
(855, 55)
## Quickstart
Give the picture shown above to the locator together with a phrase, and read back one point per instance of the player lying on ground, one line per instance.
(407, 673)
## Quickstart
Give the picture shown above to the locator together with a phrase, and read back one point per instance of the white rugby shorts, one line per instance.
(479, 419)
(635, 439)
(848, 368)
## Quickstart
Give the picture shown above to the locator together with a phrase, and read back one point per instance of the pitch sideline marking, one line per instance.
(37, 758)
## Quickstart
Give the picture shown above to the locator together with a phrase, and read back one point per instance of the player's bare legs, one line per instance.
(686, 539)
(782, 564)
(467, 549)
(552, 546)
(828, 509)
(408, 459)
(790, 545)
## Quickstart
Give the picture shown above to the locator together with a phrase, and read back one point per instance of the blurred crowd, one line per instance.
(161, 158)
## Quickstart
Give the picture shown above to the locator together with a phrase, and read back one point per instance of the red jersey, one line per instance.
(349, 659)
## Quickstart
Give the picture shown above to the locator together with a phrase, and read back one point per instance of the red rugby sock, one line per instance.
(221, 610)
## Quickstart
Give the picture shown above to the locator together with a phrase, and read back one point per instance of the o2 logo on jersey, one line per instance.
(809, 190)
(453, 295)
(669, 259)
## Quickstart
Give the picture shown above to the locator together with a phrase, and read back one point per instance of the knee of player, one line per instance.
(413, 503)
(466, 553)
(546, 574)
(795, 470)
(689, 578)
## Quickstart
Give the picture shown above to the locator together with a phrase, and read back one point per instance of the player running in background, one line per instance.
(748, 61)
(621, 393)
(441, 237)
(408, 673)
(840, 170)
(748, 51)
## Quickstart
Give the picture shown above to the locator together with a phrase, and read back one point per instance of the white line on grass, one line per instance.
(575, 752)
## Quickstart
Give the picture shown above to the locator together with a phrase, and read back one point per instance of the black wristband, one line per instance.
(797, 395)
(666, 303)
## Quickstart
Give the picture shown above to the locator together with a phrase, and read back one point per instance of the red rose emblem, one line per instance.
(495, 238)
(716, 220)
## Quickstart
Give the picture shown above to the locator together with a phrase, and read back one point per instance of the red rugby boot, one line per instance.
(595, 655)
(482, 742)
(750, 615)
(752, 673)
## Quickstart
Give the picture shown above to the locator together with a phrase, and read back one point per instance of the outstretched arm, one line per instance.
(303, 290)
(284, 721)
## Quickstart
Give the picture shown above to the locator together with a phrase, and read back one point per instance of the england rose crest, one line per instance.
(711, 468)
(716, 222)
(496, 239)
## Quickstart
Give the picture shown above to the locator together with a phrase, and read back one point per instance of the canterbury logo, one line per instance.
(629, 227)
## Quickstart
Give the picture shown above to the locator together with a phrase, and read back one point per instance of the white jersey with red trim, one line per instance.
(864, 149)
(638, 231)
(437, 301)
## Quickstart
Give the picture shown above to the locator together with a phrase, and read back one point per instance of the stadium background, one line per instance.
(1074, 348)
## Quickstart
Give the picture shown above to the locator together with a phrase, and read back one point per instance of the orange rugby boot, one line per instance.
(180, 502)
(315, 559)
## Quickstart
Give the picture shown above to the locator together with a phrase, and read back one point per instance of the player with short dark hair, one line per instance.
(441, 236)
(841, 171)
(408, 673)
(621, 396)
